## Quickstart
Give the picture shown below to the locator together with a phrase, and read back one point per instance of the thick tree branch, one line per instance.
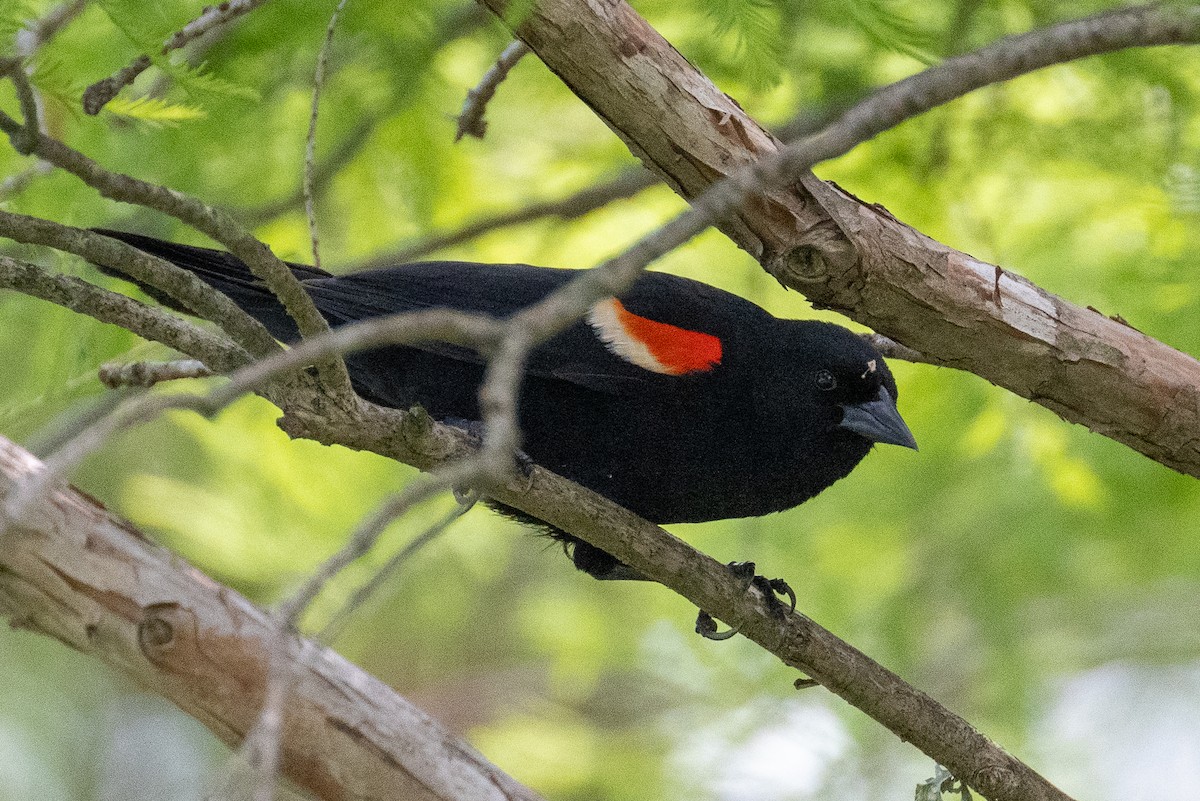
(858, 259)
(76, 573)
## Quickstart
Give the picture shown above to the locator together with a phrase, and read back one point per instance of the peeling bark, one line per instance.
(856, 258)
(71, 570)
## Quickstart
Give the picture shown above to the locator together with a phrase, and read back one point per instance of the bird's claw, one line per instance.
(771, 590)
(524, 463)
(706, 627)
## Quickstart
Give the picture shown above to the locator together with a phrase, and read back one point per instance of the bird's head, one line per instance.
(846, 377)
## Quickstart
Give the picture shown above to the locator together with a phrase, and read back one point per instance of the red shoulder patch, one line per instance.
(655, 346)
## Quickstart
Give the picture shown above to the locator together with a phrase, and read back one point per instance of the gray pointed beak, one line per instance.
(879, 421)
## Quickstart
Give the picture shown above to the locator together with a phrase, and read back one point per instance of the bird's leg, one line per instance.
(771, 590)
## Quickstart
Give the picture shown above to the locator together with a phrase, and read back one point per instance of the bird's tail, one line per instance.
(222, 271)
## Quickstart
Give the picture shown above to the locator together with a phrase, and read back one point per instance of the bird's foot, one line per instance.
(772, 591)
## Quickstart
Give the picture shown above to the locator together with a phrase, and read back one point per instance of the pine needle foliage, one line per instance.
(891, 28)
(147, 26)
(756, 29)
(153, 111)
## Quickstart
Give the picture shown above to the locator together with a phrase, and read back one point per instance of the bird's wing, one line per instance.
(619, 347)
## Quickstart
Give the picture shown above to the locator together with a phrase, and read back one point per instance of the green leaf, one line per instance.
(154, 111)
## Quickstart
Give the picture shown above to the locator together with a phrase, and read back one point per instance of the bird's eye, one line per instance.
(825, 380)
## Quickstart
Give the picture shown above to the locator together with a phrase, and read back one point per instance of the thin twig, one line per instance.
(310, 142)
(460, 22)
(25, 136)
(37, 33)
(337, 623)
(424, 487)
(894, 350)
(97, 96)
(110, 307)
(470, 120)
(180, 284)
(626, 184)
(15, 184)
(264, 744)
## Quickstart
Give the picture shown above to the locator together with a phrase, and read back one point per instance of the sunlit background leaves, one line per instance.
(1040, 580)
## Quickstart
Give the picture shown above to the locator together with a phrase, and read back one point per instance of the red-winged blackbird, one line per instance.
(678, 401)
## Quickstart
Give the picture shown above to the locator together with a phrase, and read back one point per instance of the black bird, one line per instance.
(679, 401)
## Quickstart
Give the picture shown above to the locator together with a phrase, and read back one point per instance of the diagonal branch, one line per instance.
(180, 284)
(206, 219)
(858, 259)
(93, 582)
(110, 307)
(470, 120)
(626, 184)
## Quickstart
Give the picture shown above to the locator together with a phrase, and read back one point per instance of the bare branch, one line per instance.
(337, 623)
(626, 184)
(212, 222)
(207, 220)
(894, 350)
(176, 282)
(310, 142)
(109, 307)
(15, 184)
(322, 174)
(470, 120)
(97, 96)
(34, 36)
(25, 136)
(458, 23)
(368, 532)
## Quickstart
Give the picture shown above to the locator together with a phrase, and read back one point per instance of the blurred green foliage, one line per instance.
(1003, 568)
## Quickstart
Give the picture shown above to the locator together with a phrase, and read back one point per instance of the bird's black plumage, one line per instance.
(682, 402)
